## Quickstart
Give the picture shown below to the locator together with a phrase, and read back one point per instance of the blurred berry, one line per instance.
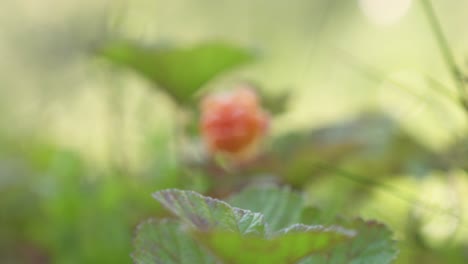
(233, 122)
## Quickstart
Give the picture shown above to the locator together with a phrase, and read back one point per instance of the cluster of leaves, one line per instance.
(273, 226)
(55, 208)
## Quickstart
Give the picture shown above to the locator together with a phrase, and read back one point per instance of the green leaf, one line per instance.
(373, 244)
(166, 242)
(298, 228)
(289, 246)
(233, 235)
(281, 207)
(205, 213)
(181, 72)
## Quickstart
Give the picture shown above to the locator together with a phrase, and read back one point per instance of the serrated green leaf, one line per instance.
(234, 235)
(166, 242)
(372, 244)
(281, 207)
(181, 72)
(298, 228)
(205, 213)
(285, 247)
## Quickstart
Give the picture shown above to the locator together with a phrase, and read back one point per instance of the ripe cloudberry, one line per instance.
(233, 122)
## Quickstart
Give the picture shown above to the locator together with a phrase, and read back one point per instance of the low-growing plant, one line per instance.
(258, 225)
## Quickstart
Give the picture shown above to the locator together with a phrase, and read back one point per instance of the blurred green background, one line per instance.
(372, 126)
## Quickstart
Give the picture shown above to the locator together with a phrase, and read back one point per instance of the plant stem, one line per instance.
(446, 51)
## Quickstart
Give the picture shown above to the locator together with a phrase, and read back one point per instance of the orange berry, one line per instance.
(233, 122)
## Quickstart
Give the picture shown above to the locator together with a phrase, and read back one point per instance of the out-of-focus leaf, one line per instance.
(372, 244)
(372, 145)
(165, 242)
(372, 141)
(181, 72)
(280, 207)
(285, 247)
(276, 103)
(205, 213)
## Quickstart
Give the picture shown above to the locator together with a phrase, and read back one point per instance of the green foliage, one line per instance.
(372, 245)
(281, 207)
(181, 72)
(206, 213)
(165, 242)
(212, 231)
(57, 206)
(55, 210)
(289, 246)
